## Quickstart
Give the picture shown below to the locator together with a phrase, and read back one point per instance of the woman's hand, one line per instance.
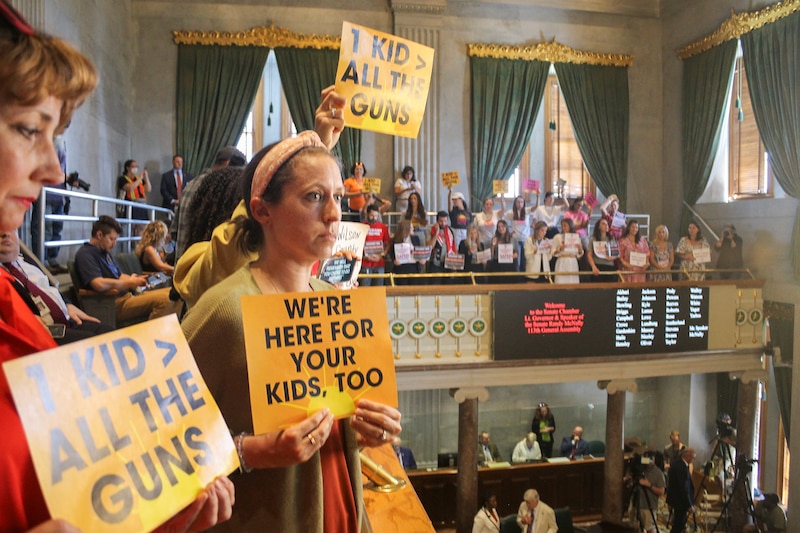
(329, 117)
(375, 423)
(55, 526)
(293, 445)
(211, 507)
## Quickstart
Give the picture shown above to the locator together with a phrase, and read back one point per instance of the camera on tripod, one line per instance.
(640, 462)
(744, 465)
(74, 180)
(725, 430)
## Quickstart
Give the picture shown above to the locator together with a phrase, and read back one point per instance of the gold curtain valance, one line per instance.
(267, 36)
(552, 52)
(738, 25)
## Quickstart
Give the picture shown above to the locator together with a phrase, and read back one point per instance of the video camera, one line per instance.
(744, 465)
(74, 180)
(725, 430)
(638, 463)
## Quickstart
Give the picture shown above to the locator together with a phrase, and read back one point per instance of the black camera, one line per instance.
(74, 180)
(639, 463)
(744, 465)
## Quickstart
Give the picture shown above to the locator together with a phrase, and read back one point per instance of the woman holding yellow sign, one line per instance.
(306, 477)
(44, 81)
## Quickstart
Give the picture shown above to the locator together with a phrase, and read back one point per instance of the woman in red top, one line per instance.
(44, 80)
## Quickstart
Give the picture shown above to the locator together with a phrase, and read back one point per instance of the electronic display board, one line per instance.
(587, 322)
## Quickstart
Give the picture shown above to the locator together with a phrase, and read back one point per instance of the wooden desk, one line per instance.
(577, 484)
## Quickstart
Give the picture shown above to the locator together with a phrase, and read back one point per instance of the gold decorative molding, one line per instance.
(552, 52)
(267, 36)
(779, 310)
(738, 25)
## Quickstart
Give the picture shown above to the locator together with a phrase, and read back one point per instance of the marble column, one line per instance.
(614, 460)
(745, 440)
(467, 477)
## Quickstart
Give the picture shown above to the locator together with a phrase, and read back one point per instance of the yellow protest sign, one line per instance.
(450, 178)
(385, 79)
(372, 185)
(500, 186)
(121, 427)
(306, 351)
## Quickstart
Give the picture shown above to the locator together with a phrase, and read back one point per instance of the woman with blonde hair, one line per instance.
(662, 255)
(149, 249)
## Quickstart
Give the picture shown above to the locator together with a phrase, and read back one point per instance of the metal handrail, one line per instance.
(96, 202)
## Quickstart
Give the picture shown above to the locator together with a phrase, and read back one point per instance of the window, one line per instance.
(750, 175)
(269, 120)
(563, 161)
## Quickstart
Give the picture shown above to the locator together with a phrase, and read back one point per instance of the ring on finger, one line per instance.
(383, 435)
(311, 439)
(333, 112)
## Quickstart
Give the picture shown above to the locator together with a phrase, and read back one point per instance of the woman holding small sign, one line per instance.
(567, 248)
(44, 80)
(306, 477)
(634, 253)
(694, 251)
(603, 251)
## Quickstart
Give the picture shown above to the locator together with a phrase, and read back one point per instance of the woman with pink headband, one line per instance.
(306, 477)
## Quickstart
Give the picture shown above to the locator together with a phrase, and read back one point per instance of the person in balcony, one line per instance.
(690, 244)
(580, 218)
(634, 253)
(538, 253)
(729, 246)
(503, 258)
(567, 250)
(601, 252)
(662, 255)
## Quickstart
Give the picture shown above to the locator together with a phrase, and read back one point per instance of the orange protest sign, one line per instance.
(122, 428)
(372, 185)
(306, 351)
(450, 178)
(385, 79)
(500, 186)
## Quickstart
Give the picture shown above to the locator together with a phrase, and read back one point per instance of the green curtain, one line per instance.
(506, 95)
(304, 73)
(781, 330)
(772, 60)
(216, 89)
(598, 103)
(707, 80)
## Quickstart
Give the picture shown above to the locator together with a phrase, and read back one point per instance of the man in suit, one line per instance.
(487, 450)
(535, 516)
(574, 445)
(404, 455)
(173, 182)
(680, 489)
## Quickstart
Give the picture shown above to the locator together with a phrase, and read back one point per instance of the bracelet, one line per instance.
(243, 468)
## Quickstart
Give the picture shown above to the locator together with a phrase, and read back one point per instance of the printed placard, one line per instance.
(373, 247)
(590, 199)
(371, 185)
(336, 269)
(122, 429)
(351, 236)
(450, 178)
(454, 262)
(505, 253)
(600, 249)
(702, 254)
(422, 253)
(545, 247)
(311, 350)
(618, 220)
(529, 185)
(402, 253)
(483, 256)
(572, 240)
(638, 259)
(385, 79)
(499, 187)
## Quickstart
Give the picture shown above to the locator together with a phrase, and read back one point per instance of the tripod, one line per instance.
(724, 453)
(742, 469)
(635, 502)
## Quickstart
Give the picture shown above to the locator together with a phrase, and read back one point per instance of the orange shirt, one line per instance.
(352, 185)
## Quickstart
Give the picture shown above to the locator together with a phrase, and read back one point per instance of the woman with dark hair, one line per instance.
(579, 217)
(405, 265)
(538, 250)
(460, 216)
(544, 425)
(568, 251)
(687, 246)
(294, 194)
(404, 186)
(729, 246)
(44, 80)
(133, 186)
(602, 252)
(519, 218)
(213, 202)
(634, 252)
(486, 520)
(500, 262)
(415, 213)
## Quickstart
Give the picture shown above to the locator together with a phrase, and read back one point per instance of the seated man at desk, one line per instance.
(487, 450)
(527, 450)
(574, 446)
(98, 271)
(404, 455)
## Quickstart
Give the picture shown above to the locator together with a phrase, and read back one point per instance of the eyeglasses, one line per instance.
(542, 404)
